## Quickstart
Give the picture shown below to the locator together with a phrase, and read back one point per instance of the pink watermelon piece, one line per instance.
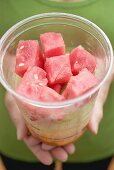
(80, 84)
(52, 44)
(28, 54)
(58, 69)
(35, 75)
(39, 93)
(49, 95)
(34, 86)
(57, 88)
(32, 81)
(80, 59)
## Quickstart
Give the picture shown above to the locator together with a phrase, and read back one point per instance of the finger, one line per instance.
(70, 148)
(96, 117)
(97, 112)
(21, 130)
(16, 116)
(32, 141)
(47, 147)
(60, 154)
(43, 156)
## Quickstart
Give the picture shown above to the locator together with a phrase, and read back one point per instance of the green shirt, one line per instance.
(90, 147)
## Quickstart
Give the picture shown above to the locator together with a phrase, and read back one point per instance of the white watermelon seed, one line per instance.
(21, 47)
(41, 84)
(35, 76)
(21, 64)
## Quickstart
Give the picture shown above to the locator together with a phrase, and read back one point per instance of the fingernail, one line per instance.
(18, 135)
(95, 128)
(73, 149)
(47, 147)
(64, 159)
(49, 163)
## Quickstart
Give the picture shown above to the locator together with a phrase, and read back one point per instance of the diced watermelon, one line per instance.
(33, 86)
(28, 54)
(57, 88)
(31, 91)
(58, 69)
(40, 93)
(52, 44)
(49, 95)
(33, 79)
(80, 84)
(35, 75)
(80, 59)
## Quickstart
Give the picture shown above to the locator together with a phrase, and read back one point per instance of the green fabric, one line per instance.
(89, 147)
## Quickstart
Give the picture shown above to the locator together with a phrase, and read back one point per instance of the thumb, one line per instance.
(16, 116)
(96, 117)
(21, 129)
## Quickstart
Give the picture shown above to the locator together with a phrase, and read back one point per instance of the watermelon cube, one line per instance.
(34, 86)
(35, 75)
(49, 95)
(58, 69)
(32, 81)
(52, 44)
(80, 84)
(27, 54)
(57, 87)
(40, 93)
(80, 59)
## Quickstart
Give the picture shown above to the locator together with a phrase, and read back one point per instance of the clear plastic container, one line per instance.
(63, 122)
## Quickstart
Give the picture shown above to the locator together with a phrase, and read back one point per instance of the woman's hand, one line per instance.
(43, 152)
(97, 113)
